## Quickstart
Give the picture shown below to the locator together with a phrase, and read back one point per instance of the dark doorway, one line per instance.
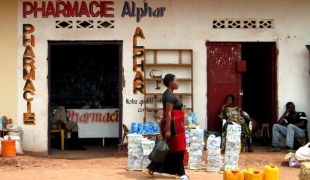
(258, 82)
(85, 74)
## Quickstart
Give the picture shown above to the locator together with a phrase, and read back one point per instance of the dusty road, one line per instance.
(101, 163)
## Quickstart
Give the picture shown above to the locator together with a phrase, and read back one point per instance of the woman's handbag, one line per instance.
(159, 152)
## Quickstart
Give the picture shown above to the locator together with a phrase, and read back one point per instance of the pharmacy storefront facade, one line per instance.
(105, 60)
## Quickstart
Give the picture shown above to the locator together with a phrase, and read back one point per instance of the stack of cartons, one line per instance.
(135, 152)
(147, 147)
(214, 154)
(233, 140)
(138, 151)
(196, 146)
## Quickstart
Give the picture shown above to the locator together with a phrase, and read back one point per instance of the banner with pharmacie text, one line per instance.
(96, 123)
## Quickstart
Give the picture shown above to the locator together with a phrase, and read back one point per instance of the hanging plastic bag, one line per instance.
(159, 152)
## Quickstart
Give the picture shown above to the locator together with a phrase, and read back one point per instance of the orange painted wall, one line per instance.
(8, 57)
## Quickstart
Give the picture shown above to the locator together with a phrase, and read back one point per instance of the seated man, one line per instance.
(61, 115)
(291, 125)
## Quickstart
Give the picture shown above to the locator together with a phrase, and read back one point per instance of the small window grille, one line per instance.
(85, 24)
(63, 24)
(243, 23)
(105, 24)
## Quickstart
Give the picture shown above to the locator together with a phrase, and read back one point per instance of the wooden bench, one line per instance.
(123, 145)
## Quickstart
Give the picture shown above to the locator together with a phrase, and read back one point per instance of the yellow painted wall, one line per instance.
(8, 63)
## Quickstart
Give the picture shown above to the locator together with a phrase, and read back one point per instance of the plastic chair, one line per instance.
(223, 138)
(63, 133)
(304, 140)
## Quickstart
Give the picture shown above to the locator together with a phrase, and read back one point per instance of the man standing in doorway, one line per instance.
(291, 125)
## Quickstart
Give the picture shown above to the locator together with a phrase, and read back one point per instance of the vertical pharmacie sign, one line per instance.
(138, 62)
(29, 73)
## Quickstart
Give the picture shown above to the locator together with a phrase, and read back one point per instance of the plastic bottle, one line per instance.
(271, 172)
(252, 174)
(293, 161)
(233, 175)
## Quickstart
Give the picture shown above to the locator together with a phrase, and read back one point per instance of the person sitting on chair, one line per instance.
(292, 124)
(235, 114)
(61, 116)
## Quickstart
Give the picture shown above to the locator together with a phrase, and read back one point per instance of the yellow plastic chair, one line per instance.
(63, 133)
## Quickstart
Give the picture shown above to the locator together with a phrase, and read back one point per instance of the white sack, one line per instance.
(18, 145)
(303, 153)
(1, 139)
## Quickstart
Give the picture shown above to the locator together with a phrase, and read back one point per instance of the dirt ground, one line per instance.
(101, 163)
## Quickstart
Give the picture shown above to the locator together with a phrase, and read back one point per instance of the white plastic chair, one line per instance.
(223, 139)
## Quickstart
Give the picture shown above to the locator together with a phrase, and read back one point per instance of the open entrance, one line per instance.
(255, 88)
(259, 81)
(85, 77)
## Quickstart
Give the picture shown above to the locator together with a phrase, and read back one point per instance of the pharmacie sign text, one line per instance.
(46, 9)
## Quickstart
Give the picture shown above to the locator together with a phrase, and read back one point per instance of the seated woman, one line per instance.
(235, 114)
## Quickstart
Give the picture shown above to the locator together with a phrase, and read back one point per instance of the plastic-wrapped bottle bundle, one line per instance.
(134, 128)
(195, 156)
(187, 139)
(140, 128)
(233, 138)
(196, 146)
(135, 151)
(146, 128)
(214, 153)
(155, 128)
(194, 117)
(147, 147)
(189, 120)
(2, 124)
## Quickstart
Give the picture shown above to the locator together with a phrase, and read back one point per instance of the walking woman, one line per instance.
(172, 129)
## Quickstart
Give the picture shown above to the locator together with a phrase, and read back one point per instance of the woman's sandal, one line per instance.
(274, 150)
(290, 150)
(147, 172)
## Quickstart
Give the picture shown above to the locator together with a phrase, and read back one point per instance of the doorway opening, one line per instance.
(85, 77)
(258, 83)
